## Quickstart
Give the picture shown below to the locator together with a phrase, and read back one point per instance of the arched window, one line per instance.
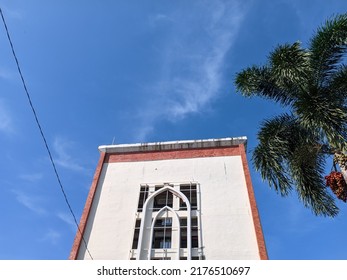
(167, 224)
(165, 230)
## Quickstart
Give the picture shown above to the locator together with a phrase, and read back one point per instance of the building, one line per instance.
(171, 200)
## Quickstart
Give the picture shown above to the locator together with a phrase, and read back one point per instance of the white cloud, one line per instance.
(192, 61)
(6, 125)
(6, 74)
(63, 158)
(52, 236)
(68, 219)
(13, 14)
(34, 177)
(159, 18)
(207, 60)
(30, 201)
(142, 132)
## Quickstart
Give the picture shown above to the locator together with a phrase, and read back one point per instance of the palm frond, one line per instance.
(258, 81)
(290, 155)
(328, 47)
(313, 83)
(325, 112)
(290, 65)
(270, 156)
(307, 170)
(338, 83)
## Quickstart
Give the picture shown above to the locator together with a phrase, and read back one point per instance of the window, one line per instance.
(194, 228)
(193, 258)
(136, 233)
(142, 198)
(195, 239)
(165, 229)
(163, 199)
(162, 233)
(189, 190)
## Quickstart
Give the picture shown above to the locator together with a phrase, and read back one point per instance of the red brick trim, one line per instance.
(256, 219)
(84, 218)
(173, 154)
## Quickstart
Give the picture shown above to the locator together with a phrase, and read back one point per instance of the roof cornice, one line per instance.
(173, 145)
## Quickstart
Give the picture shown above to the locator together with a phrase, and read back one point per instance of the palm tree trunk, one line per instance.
(341, 160)
(344, 174)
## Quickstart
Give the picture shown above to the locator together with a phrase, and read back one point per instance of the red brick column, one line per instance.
(84, 218)
(256, 220)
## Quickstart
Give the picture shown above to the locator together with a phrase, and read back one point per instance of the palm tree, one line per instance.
(311, 83)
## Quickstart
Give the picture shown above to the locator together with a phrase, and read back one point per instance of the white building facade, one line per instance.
(184, 200)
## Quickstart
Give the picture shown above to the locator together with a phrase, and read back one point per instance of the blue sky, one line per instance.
(139, 71)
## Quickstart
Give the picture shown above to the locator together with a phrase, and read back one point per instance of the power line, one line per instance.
(42, 134)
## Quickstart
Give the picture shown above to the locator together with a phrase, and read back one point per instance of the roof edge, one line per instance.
(174, 145)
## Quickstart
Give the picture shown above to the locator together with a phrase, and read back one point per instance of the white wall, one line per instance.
(227, 226)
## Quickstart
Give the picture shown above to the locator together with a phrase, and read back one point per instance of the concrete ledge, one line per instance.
(173, 145)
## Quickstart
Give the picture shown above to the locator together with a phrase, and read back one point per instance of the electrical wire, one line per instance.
(42, 134)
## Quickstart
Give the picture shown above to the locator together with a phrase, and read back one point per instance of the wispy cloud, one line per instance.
(6, 74)
(62, 148)
(68, 219)
(31, 202)
(33, 178)
(192, 61)
(6, 124)
(13, 14)
(204, 78)
(52, 236)
(158, 19)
